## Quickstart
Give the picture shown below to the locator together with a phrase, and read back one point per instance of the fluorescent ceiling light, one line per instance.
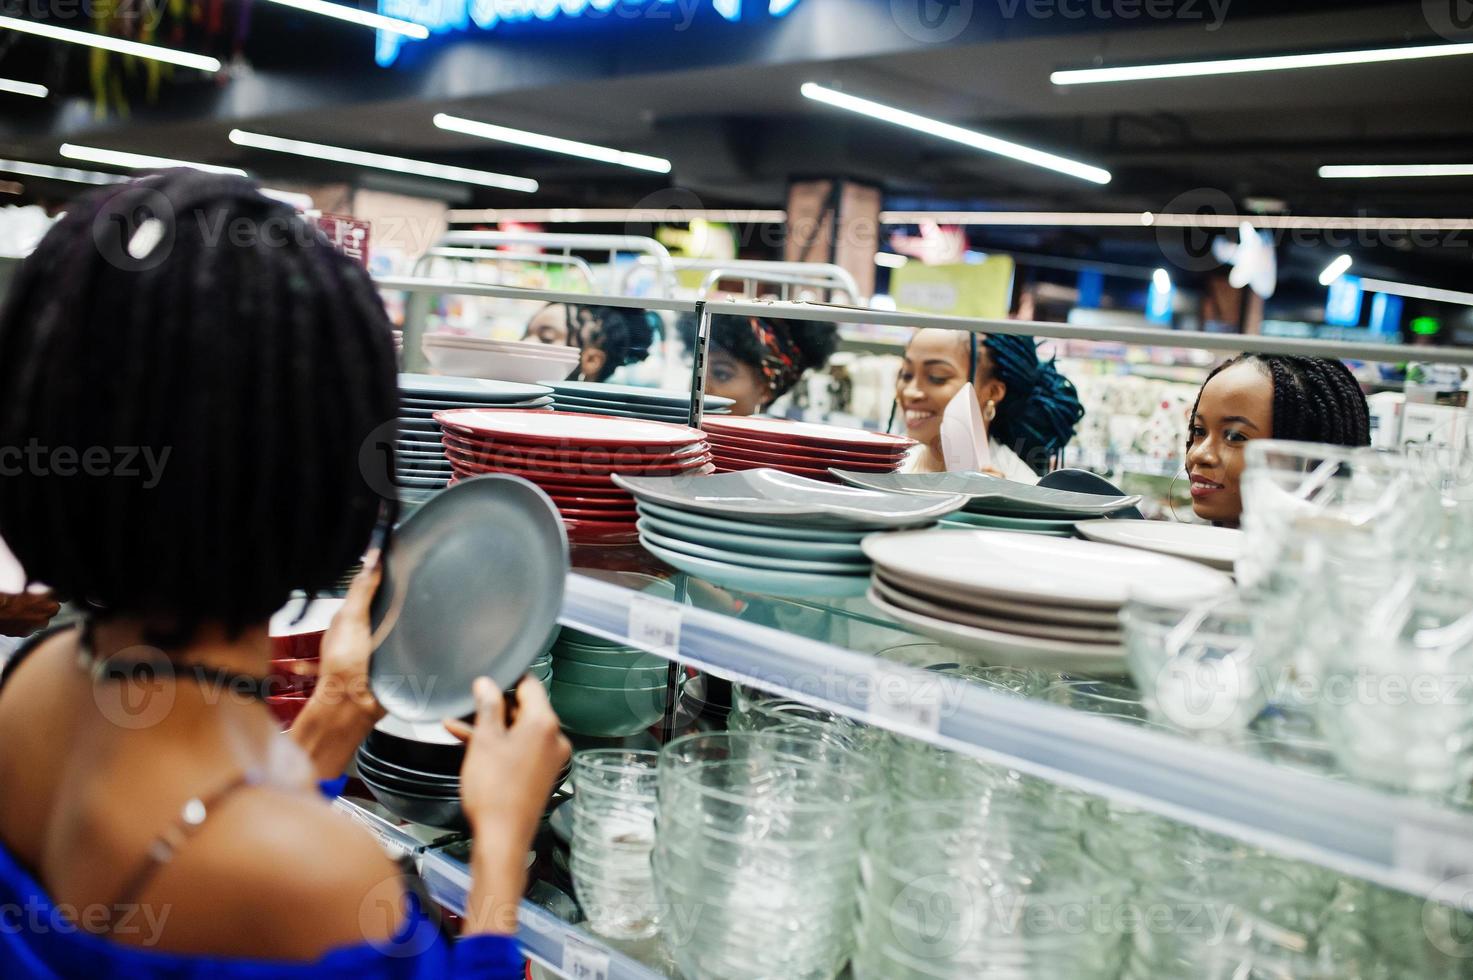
(138, 161)
(47, 172)
(1335, 269)
(673, 215)
(1398, 170)
(380, 161)
(1235, 66)
(151, 51)
(355, 16)
(1145, 219)
(957, 134)
(890, 260)
(1417, 292)
(552, 144)
(16, 87)
(1161, 279)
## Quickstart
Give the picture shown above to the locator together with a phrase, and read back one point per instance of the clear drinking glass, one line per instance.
(614, 805)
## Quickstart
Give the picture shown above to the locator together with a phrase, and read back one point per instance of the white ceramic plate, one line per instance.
(798, 585)
(1059, 571)
(992, 494)
(1018, 627)
(1219, 547)
(1010, 649)
(960, 598)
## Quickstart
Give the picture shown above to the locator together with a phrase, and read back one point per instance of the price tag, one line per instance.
(655, 624)
(910, 700)
(583, 962)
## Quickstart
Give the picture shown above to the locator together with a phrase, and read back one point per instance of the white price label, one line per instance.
(655, 624)
(583, 962)
(910, 700)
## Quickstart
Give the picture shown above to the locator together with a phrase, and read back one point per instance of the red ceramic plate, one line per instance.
(805, 433)
(624, 501)
(733, 465)
(557, 428)
(601, 532)
(554, 457)
(815, 460)
(579, 514)
(827, 452)
(560, 482)
(498, 463)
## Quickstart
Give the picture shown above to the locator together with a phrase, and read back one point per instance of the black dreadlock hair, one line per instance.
(187, 318)
(816, 341)
(1038, 415)
(1315, 399)
(625, 336)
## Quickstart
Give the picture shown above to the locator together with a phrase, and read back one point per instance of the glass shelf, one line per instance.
(1274, 786)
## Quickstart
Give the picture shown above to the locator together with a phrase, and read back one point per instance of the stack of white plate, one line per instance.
(993, 502)
(419, 453)
(769, 532)
(630, 401)
(499, 360)
(1025, 600)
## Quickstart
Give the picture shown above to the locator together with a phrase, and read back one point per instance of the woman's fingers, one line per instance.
(365, 584)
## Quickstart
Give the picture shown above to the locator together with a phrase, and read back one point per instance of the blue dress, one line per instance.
(38, 943)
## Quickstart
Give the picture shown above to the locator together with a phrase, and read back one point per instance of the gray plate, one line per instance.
(418, 425)
(991, 494)
(422, 410)
(473, 585)
(773, 497)
(632, 395)
(622, 413)
(444, 388)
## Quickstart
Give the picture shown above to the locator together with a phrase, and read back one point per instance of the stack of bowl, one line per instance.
(499, 360)
(413, 770)
(605, 689)
(296, 643)
(614, 802)
(760, 833)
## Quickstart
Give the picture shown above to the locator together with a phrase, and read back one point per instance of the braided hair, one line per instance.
(1038, 415)
(625, 336)
(1315, 399)
(217, 366)
(780, 351)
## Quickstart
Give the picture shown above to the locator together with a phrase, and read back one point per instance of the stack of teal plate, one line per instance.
(605, 689)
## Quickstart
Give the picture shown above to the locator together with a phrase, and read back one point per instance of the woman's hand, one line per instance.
(342, 709)
(27, 612)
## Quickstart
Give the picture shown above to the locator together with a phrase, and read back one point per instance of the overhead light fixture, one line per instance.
(552, 144)
(361, 17)
(1335, 269)
(1411, 291)
(567, 216)
(1161, 279)
(1236, 66)
(138, 161)
(381, 161)
(890, 260)
(48, 172)
(17, 87)
(1146, 219)
(957, 134)
(153, 52)
(1342, 171)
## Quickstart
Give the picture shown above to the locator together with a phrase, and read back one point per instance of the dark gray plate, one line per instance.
(472, 588)
(445, 388)
(991, 494)
(632, 395)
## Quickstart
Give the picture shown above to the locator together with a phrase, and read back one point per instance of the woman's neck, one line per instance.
(135, 638)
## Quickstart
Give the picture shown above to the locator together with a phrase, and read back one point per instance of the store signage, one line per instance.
(982, 289)
(442, 16)
(1342, 307)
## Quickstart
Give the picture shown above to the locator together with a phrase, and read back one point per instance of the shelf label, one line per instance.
(912, 703)
(584, 962)
(655, 625)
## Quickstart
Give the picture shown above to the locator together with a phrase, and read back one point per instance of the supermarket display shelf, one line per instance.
(1396, 841)
(560, 946)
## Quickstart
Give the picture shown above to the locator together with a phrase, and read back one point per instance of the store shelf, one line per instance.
(1399, 842)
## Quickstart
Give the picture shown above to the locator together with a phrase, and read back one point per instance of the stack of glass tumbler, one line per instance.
(757, 853)
(614, 800)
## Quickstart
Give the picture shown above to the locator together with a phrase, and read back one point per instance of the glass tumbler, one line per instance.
(614, 806)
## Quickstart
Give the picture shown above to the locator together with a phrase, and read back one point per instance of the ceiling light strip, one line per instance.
(363, 18)
(957, 134)
(139, 161)
(1148, 219)
(1236, 66)
(17, 87)
(1355, 171)
(48, 172)
(671, 215)
(381, 161)
(552, 144)
(115, 44)
(1411, 291)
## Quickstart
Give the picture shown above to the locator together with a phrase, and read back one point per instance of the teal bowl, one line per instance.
(614, 657)
(599, 675)
(607, 712)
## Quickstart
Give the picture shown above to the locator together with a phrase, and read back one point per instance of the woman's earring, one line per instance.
(991, 412)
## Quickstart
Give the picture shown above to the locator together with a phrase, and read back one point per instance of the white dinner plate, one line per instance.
(1006, 608)
(1219, 547)
(1019, 627)
(1060, 571)
(1010, 649)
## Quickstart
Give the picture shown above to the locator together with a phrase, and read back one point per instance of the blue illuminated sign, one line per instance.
(441, 16)
(1342, 307)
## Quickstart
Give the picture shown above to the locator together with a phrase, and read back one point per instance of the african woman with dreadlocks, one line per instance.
(1262, 396)
(155, 823)
(756, 360)
(1029, 408)
(608, 337)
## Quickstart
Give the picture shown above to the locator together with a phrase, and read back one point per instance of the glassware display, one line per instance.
(614, 803)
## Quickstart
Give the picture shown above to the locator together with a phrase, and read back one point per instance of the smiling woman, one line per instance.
(1261, 396)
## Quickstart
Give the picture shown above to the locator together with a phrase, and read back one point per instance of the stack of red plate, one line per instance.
(573, 457)
(801, 448)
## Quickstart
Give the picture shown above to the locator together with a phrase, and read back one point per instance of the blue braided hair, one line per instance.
(1038, 415)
